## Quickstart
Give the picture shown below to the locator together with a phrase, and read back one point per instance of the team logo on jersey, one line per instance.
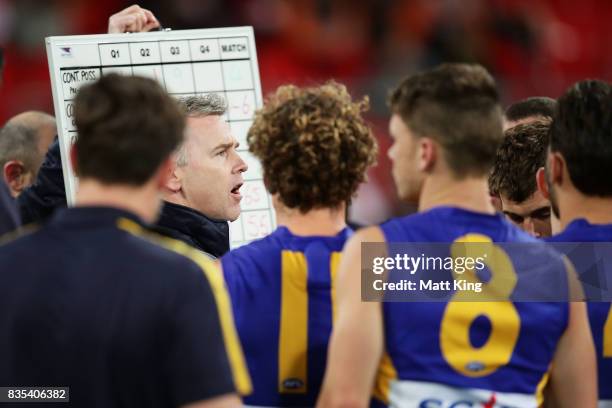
(293, 384)
(474, 366)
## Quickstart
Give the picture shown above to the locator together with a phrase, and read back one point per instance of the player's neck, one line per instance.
(320, 222)
(469, 194)
(143, 201)
(596, 210)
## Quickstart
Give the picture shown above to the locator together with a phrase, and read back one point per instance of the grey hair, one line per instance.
(18, 142)
(209, 104)
(199, 106)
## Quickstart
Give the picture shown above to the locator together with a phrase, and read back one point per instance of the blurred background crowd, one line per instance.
(533, 48)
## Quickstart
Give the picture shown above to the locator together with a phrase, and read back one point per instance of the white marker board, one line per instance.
(188, 62)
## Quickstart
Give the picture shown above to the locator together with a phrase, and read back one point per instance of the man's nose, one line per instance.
(241, 165)
(529, 227)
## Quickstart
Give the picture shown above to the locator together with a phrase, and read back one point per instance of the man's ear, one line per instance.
(541, 183)
(557, 167)
(173, 178)
(17, 177)
(164, 173)
(427, 154)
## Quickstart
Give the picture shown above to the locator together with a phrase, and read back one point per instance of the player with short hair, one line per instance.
(525, 111)
(578, 166)
(513, 179)
(315, 148)
(529, 110)
(446, 125)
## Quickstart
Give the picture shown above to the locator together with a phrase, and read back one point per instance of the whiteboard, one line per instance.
(185, 63)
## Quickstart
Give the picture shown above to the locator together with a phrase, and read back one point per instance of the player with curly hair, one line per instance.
(315, 148)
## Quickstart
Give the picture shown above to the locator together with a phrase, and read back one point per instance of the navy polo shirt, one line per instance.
(93, 302)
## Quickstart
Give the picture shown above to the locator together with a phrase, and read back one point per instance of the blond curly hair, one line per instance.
(314, 145)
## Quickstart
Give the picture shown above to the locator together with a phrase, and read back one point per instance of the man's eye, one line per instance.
(541, 215)
(222, 153)
(517, 219)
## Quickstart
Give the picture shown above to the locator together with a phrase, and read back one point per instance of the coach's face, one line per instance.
(406, 175)
(212, 175)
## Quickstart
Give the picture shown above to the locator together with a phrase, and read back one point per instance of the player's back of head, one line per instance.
(127, 126)
(314, 145)
(26, 137)
(582, 132)
(521, 154)
(458, 106)
(533, 108)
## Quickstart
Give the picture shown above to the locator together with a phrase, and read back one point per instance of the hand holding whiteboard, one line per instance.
(133, 19)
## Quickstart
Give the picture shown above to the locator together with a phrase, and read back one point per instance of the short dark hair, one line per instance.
(458, 106)
(18, 142)
(521, 154)
(535, 106)
(127, 126)
(314, 145)
(582, 132)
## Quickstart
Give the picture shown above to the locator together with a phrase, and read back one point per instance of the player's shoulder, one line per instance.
(22, 236)
(17, 247)
(364, 236)
(368, 234)
(271, 243)
(514, 234)
(423, 226)
(580, 230)
(166, 254)
(257, 257)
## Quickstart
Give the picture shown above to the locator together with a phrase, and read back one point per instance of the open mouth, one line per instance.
(236, 191)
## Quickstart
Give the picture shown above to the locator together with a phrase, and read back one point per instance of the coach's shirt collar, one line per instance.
(194, 228)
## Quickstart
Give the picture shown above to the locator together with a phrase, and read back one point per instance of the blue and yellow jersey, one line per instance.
(600, 313)
(282, 292)
(491, 354)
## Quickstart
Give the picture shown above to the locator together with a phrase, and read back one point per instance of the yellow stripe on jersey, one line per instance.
(242, 380)
(607, 335)
(18, 233)
(540, 388)
(334, 264)
(386, 373)
(293, 337)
